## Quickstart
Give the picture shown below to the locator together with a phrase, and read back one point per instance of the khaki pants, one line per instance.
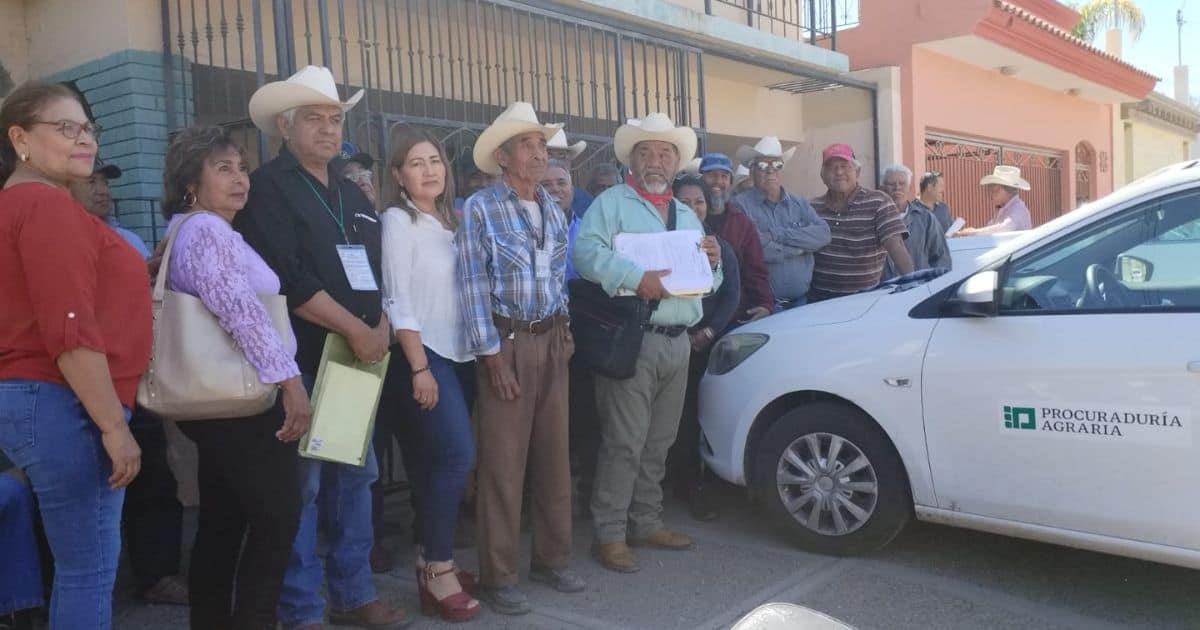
(639, 417)
(531, 429)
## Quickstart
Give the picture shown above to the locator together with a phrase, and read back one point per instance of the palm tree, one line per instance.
(1095, 16)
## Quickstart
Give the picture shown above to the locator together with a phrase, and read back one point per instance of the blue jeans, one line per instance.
(348, 521)
(45, 431)
(445, 458)
(786, 305)
(21, 570)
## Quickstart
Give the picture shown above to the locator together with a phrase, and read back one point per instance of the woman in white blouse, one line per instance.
(421, 300)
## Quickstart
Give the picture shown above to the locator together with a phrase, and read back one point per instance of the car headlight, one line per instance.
(732, 350)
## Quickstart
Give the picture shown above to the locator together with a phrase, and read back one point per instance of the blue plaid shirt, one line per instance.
(497, 249)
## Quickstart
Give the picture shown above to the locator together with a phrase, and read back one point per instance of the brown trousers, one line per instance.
(531, 430)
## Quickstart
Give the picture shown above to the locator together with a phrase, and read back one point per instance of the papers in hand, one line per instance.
(955, 227)
(678, 251)
(344, 402)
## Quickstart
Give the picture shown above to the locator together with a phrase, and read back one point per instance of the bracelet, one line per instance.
(419, 370)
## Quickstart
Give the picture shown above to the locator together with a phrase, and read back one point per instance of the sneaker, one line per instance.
(561, 580)
(506, 600)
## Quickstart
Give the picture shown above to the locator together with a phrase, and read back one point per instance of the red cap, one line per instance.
(838, 150)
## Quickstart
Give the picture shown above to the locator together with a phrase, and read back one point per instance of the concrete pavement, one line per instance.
(931, 577)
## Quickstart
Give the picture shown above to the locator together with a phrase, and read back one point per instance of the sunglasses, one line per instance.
(769, 165)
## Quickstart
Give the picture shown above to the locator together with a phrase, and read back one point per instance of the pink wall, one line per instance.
(954, 97)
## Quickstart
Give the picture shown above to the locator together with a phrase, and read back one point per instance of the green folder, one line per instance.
(344, 402)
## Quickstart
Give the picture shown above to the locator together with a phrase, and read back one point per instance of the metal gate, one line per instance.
(451, 65)
(964, 162)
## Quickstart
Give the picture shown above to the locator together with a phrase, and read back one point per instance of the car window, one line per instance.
(1143, 258)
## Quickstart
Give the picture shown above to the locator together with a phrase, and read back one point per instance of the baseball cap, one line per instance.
(716, 162)
(838, 150)
(350, 153)
(109, 171)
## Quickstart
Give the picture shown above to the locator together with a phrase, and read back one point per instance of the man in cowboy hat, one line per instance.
(512, 261)
(866, 229)
(317, 230)
(640, 415)
(559, 150)
(789, 230)
(1004, 186)
(730, 223)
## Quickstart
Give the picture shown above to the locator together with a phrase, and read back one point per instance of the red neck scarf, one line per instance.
(659, 201)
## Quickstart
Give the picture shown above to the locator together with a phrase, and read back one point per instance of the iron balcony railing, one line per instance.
(814, 21)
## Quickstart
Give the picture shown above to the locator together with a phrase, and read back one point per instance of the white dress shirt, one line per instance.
(420, 282)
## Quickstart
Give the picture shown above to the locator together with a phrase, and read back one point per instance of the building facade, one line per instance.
(987, 82)
(1155, 132)
(733, 70)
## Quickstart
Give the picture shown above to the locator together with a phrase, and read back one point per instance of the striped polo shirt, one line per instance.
(853, 261)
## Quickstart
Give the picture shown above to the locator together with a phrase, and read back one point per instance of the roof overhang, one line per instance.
(1096, 74)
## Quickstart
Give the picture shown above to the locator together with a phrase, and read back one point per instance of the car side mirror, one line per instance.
(1133, 270)
(977, 296)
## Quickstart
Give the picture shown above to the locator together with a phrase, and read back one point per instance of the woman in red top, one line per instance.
(75, 336)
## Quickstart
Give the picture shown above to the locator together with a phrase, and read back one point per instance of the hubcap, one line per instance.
(827, 484)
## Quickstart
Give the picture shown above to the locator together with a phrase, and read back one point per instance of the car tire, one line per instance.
(855, 523)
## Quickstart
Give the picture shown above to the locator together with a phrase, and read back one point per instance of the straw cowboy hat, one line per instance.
(693, 167)
(559, 141)
(740, 175)
(767, 147)
(656, 126)
(313, 85)
(1005, 176)
(517, 120)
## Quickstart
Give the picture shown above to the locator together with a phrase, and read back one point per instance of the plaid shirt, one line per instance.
(497, 250)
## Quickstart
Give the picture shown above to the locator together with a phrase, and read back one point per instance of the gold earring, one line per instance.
(189, 199)
(24, 157)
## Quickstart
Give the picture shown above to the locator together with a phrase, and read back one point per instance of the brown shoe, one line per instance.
(171, 590)
(615, 556)
(664, 538)
(375, 615)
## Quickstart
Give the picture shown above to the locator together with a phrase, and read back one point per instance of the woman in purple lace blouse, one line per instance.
(248, 470)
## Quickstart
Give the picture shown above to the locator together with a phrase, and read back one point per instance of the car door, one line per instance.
(1075, 405)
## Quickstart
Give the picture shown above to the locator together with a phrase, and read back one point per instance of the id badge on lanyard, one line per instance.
(357, 267)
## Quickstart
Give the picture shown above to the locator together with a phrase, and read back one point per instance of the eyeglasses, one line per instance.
(360, 176)
(71, 130)
(773, 165)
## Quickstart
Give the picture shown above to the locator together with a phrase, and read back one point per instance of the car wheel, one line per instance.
(833, 479)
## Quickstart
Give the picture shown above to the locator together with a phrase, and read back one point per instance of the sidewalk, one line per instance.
(931, 577)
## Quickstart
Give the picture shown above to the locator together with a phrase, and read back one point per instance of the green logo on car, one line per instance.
(1020, 418)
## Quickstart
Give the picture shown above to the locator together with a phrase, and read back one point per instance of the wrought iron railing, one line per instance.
(805, 20)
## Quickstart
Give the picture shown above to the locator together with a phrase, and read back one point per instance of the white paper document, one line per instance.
(955, 227)
(678, 251)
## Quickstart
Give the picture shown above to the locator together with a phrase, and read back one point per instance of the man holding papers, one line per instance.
(640, 415)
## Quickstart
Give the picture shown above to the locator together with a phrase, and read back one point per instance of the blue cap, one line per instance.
(716, 162)
(348, 150)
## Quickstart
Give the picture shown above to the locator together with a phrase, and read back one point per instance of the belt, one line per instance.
(542, 326)
(670, 331)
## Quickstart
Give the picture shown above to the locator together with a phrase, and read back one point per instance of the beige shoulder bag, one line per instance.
(197, 371)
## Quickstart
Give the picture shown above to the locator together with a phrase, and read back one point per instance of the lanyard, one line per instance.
(340, 220)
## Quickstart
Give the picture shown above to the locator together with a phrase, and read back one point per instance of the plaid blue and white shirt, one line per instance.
(497, 269)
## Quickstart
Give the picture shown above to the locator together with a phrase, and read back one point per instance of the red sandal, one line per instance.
(453, 608)
(466, 579)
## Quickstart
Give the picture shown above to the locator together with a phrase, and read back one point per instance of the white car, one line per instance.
(1048, 387)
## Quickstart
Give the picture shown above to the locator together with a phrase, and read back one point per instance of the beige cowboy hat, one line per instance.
(518, 119)
(1005, 176)
(656, 126)
(312, 85)
(693, 167)
(767, 147)
(559, 141)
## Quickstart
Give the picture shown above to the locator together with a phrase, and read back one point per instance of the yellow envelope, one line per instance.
(345, 400)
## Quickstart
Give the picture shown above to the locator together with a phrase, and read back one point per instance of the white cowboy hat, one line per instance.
(656, 126)
(559, 141)
(767, 147)
(693, 167)
(313, 85)
(740, 174)
(518, 119)
(1006, 176)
